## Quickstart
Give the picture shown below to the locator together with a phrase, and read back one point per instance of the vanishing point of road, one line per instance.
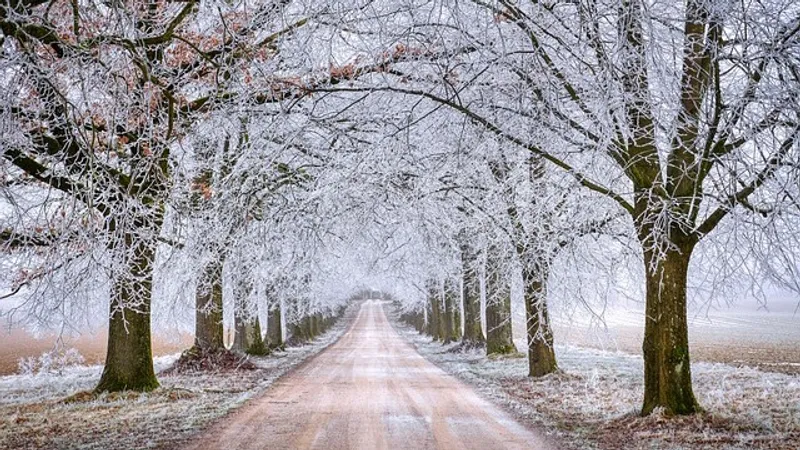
(369, 390)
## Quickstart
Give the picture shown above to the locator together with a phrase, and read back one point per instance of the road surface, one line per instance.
(370, 390)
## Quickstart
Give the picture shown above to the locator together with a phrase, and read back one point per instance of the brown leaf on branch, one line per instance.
(502, 17)
(343, 72)
(203, 188)
(145, 147)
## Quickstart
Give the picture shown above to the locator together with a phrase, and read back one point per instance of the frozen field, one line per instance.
(745, 335)
(768, 340)
(18, 344)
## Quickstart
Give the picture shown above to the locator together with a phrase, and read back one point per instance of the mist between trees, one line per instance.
(258, 163)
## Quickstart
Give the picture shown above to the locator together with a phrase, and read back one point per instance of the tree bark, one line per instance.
(314, 326)
(667, 370)
(275, 328)
(243, 331)
(420, 322)
(298, 333)
(413, 318)
(307, 325)
(437, 311)
(129, 358)
(208, 332)
(239, 320)
(499, 337)
(255, 341)
(541, 355)
(457, 314)
(247, 329)
(452, 319)
(296, 324)
(473, 333)
(430, 325)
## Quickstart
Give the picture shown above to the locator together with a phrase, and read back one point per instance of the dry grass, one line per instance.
(581, 414)
(20, 344)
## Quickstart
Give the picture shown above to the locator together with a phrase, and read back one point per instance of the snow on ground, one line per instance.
(34, 413)
(760, 339)
(41, 387)
(741, 336)
(593, 402)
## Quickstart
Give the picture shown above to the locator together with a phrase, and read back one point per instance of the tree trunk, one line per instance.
(208, 334)
(129, 358)
(667, 371)
(306, 328)
(437, 311)
(298, 333)
(541, 355)
(430, 325)
(275, 328)
(313, 326)
(499, 337)
(322, 325)
(452, 331)
(297, 325)
(247, 337)
(255, 341)
(457, 314)
(243, 330)
(239, 322)
(420, 321)
(413, 318)
(473, 333)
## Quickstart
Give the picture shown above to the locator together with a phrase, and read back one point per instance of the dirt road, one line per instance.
(370, 390)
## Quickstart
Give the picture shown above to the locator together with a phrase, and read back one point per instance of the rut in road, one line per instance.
(370, 390)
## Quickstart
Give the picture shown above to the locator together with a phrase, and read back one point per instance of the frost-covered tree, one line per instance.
(101, 101)
(96, 113)
(684, 114)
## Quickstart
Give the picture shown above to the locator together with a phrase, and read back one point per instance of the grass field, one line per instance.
(18, 343)
(766, 340)
(745, 335)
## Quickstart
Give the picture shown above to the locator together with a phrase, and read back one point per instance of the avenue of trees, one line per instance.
(260, 162)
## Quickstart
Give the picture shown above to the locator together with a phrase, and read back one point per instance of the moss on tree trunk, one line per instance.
(437, 311)
(667, 370)
(430, 323)
(297, 333)
(298, 326)
(541, 355)
(129, 358)
(457, 316)
(247, 329)
(499, 337)
(452, 319)
(307, 325)
(275, 328)
(247, 337)
(255, 343)
(471, 286)
(314, 326)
